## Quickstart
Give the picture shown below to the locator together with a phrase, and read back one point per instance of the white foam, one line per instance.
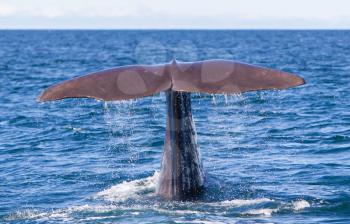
(178, 211)
(35, 214)
(201, 221)
(91, 208)
(240, 202)
(75, 129)
(264, 211)
(130, 190)
(99, 218)
(62, 214)
(299, 205)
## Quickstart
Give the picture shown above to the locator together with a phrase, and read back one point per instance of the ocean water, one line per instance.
(268, 156)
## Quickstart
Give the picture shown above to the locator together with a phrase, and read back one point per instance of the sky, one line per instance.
(174, 14)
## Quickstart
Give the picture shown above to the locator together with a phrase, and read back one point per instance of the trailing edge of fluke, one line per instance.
(134, 81)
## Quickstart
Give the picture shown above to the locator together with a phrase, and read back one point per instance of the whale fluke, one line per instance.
(181, 175)
(211, 76)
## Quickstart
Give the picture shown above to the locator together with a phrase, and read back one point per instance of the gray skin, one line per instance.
(181, 174)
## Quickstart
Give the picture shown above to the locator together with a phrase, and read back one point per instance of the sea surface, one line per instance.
(269, 156)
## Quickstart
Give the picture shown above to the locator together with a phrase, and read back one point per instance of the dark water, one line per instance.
(269, 157)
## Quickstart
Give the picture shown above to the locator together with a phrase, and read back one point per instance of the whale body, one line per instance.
(181, 175)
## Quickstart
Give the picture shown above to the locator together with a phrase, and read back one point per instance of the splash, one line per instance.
(130, 190)
(300, 205)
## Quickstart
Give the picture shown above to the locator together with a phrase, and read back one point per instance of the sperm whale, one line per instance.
(181, 174)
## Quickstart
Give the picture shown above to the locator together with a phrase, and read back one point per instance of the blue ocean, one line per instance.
(268, 156)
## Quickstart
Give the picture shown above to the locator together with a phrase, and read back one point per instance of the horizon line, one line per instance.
(178, 29)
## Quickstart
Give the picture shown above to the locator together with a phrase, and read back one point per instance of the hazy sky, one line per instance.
(214, 14)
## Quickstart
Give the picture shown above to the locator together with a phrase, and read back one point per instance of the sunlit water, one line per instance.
(269, 157)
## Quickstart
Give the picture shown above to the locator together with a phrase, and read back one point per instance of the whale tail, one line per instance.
(211, 76)
(181, 171)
